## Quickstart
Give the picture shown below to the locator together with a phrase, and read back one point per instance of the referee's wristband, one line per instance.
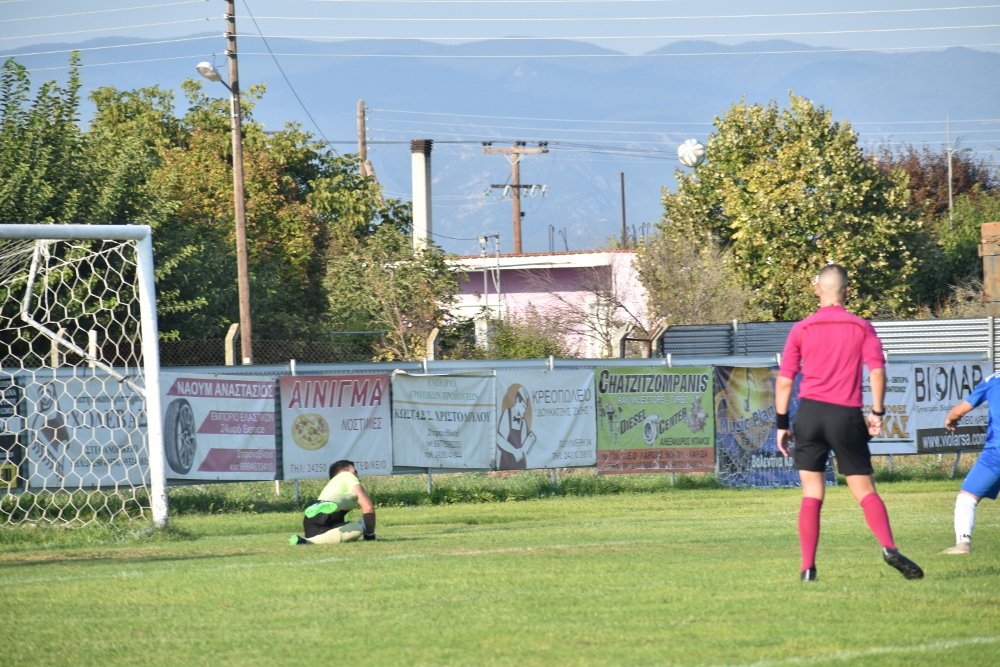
(878, 413)
(781, 420)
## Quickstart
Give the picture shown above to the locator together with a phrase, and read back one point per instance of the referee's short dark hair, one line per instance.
(340, 466)
(835, 268)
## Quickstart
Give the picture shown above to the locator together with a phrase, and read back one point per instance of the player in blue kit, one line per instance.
(983, 480)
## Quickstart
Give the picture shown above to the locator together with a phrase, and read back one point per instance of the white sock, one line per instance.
(965, 517)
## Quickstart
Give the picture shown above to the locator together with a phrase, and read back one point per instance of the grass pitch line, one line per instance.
(463, 553)
(508, 550)
(875, 651)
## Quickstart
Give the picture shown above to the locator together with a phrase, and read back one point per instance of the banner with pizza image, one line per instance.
(328, 418)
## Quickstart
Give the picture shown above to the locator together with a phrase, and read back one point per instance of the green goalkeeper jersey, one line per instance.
(341, 484)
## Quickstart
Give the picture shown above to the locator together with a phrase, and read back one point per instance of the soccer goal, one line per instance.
(80, 432)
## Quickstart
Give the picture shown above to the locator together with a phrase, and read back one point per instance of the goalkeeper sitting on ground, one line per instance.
(325, 521)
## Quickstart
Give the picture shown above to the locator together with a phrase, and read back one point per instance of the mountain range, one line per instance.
(606, 118)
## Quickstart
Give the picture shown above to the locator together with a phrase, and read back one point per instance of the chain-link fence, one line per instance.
(334, 347)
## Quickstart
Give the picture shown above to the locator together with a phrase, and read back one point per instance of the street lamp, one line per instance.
(239, 200)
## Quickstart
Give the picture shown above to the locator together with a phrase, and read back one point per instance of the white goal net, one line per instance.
(80, 431)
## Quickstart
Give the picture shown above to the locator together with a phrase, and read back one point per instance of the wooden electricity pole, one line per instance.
(239, 193)
(362, 137)
(514, 156)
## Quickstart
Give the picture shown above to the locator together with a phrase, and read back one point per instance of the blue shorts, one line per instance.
(983, 480)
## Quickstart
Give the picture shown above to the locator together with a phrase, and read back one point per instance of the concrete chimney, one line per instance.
(420, 154)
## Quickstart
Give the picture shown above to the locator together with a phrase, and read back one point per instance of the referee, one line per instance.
(828, 349)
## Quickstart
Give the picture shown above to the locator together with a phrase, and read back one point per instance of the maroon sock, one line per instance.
(878, 519)
(809, 530)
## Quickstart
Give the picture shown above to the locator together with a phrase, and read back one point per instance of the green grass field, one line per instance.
(686, 575)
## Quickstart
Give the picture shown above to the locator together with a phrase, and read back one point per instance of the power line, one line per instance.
(117, 62)
(698, 54)
(549, 119)
(653, 135)
(99, 11)
(277, 64)
(453, 238)
(926, 122)
(529, 129)
(657, 127)
(571, 2)
(584, 38)
(521, 56)
(606, 19)
(447, 57)
(178, 40)
(92, 30)
(559, 120)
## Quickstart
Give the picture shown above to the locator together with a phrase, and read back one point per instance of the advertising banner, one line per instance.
(443, 421)
(746, 445)
(655, 420)
(545, 420)
(937, 387)
(897, 435)
(84, 432)
(917, 399)
(218, 427)
(12, 476)
(329, 418)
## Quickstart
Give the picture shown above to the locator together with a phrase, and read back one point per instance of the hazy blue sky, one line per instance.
(630, 26)
(185, 32)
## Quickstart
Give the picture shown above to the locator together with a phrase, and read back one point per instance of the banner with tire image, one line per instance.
(219, 427)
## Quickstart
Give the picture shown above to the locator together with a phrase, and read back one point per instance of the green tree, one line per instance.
(949, 258)
(124, 144)
(928, 172)
(43, 172)
(191, 210)
(536, 336)
(958, 236)
(47, 177)
(379, 282)
(307, 210)
(786, 191)
(690, 279)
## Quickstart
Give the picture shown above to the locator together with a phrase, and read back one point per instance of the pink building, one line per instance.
(594, 296)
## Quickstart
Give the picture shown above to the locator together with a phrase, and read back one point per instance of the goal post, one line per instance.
(80, 430)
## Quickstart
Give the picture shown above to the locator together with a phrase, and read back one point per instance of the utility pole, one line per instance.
(364, 164)
(362, 137)
(624, 225)
(950, 153)
(239, 196)
(514, 156)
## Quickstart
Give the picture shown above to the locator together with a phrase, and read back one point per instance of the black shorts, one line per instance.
(322, 522)
(820, 427)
